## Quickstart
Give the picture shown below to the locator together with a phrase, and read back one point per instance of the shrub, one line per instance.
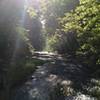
(19, 72)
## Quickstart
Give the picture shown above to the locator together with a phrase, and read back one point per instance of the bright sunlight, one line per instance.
(49, 49)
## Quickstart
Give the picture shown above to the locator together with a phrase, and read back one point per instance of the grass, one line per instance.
(18, 73)
(22, 70)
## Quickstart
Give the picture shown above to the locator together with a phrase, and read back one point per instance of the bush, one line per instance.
(19, 72)
(52, 43)
(63, 43)
(94, 88)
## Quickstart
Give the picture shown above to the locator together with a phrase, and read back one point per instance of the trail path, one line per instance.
(66, 71)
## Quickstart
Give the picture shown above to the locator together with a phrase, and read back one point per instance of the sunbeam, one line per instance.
(24, 12)
(17, 43)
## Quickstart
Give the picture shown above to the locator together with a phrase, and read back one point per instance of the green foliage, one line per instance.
(63, 43)
(94, 88)
(38, 62)
(61, 91)
(19, 72)
(32, 22)
(31, 11)
(57, 93)
(85, 22)
(52, 43)
(25, 42)
(54, 9)
(34, 27)
(15, 46)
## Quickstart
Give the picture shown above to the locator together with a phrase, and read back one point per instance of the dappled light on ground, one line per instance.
(70, 75)
(49, 49)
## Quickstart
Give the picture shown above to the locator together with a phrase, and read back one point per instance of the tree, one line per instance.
(35, 31)
(52, 10)
(15, 45)
(34, 26)
(85, 22)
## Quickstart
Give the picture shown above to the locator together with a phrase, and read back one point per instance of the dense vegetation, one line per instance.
(76, 31)
(62, 26)
(79, 32)
(84, 22)
(16, 45)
